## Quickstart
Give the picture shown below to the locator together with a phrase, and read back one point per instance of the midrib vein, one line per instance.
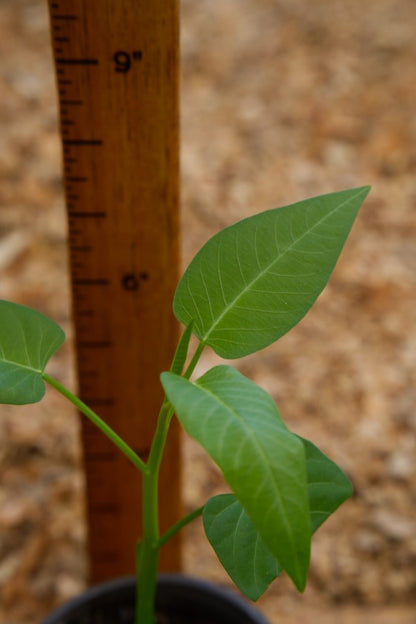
(249, 285)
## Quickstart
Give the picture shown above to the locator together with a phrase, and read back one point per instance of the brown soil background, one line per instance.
(281, 100)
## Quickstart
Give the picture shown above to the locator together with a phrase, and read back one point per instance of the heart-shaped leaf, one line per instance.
(28, 340)
(239, 426)
(256, 279)
(238, 544)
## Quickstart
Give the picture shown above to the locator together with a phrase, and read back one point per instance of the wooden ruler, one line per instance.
(117, 75)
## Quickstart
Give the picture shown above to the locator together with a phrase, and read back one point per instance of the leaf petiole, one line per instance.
(194, 360)
(98, 422)
(175, 528)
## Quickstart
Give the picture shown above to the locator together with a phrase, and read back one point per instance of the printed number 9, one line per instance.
(122, 61)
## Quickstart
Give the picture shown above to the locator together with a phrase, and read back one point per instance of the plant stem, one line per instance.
(179, 525)
(148, 553)
(194, 360)
(98, 422)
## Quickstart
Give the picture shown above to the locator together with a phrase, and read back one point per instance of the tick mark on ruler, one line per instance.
(81, 142)
(100, 508)
(85, 314)
(87, 215)
(110, 557)
(81, 248)
(64, 17)
(77, 61)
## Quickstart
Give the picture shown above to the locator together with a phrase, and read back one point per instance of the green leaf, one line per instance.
(256, 279)
(238, 544)
(328, 486)
(239, 426)
(27, 341)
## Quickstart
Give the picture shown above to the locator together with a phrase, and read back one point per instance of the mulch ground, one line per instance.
(280, 101)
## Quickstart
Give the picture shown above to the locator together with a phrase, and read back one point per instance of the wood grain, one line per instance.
(117, 78)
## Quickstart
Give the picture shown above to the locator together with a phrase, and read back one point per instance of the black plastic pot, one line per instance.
(179, 600)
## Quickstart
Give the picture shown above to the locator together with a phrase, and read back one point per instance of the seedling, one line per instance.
(248, 285)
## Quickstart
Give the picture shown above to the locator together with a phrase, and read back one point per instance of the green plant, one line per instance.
(246, 287)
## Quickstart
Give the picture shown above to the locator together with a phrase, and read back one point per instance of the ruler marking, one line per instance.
(82, 249)
(87, 215)
(87, 57)
(65, 17)
(77, 61)
(105, 557)
(71, 102)
(82, 142)
(109, 508)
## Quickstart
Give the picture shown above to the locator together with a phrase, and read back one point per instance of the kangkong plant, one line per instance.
(248, 285)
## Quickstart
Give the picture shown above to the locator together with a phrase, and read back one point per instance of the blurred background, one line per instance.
(281, 99)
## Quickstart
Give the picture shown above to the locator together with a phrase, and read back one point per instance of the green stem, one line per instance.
(179, 525)
(148, 553)
(194, 360)
(98, 422)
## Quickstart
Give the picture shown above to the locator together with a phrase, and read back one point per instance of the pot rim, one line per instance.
(181, 582)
